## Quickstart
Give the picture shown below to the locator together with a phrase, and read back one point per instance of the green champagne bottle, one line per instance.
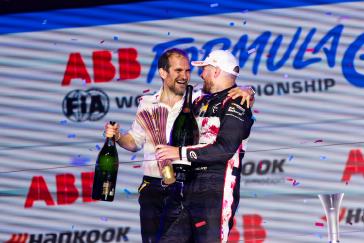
(106, 171)
(184, 132)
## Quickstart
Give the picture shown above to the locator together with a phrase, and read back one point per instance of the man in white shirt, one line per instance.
(174, 70)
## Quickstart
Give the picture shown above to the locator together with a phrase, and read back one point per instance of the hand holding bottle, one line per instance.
(112, 130)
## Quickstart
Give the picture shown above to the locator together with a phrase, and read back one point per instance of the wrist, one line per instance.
(117, 137)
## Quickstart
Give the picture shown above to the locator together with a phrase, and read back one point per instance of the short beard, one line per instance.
(206, 90)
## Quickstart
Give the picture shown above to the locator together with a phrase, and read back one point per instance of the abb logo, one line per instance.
(354, 165)
(103, 68)
(18, 238)
(253, 231)
(67, 192)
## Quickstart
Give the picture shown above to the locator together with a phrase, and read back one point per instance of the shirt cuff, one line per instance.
(184, 153)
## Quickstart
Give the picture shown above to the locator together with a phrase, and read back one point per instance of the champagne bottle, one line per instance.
(184, 132)
(106, 171)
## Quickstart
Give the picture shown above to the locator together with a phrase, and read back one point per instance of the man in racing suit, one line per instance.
(174, 70)
(212, 196)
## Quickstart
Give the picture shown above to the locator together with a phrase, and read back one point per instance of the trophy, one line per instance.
(154, 120)
(331, 204)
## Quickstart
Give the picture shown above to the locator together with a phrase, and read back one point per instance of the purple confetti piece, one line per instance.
(63, 122)
(71, 135)
(290, 157)
(80, 161)
(133, 157)
(116, 38)
(97, 147)
(323, 158)
(231, 24)
(318, 141)
(295, 183)
(168, 33)
(244, 21)
(103, 219)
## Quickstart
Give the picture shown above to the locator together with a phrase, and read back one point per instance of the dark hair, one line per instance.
(163, 61)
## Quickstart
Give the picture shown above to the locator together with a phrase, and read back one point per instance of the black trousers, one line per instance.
(156, 200)
(199, 218)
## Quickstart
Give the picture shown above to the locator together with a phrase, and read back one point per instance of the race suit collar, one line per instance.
(222, 93)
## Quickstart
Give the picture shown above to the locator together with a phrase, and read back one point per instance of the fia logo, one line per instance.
(82, 105)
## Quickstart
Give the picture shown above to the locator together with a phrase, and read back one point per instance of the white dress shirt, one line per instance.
(150, 164)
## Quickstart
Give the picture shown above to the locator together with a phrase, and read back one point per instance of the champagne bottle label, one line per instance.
(105, 188)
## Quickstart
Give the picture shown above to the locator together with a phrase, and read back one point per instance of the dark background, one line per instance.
(21, 6)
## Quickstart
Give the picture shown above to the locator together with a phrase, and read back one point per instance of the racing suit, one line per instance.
(211, 197)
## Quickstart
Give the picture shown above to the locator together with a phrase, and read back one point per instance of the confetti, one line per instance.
(103, 219)
(102, 41)
(97, 147)
(318, 141)
(231, 23)
(146, 91)
(255, 111)
(251, 51)
(318, 224)
(80, 161)
(309, 49)
(116, 38)
(133, 157)
(168, 33)
(137, 166)
(328, 13)
(71, 135)
(127, 192)
(290, 157)
(295, 183)
(260, 164)
(200, 224)
(244, 21)
(323, 158)
(44, 21)
(214, 5)
(63, 122)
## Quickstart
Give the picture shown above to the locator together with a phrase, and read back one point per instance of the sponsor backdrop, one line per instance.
(65, 73)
